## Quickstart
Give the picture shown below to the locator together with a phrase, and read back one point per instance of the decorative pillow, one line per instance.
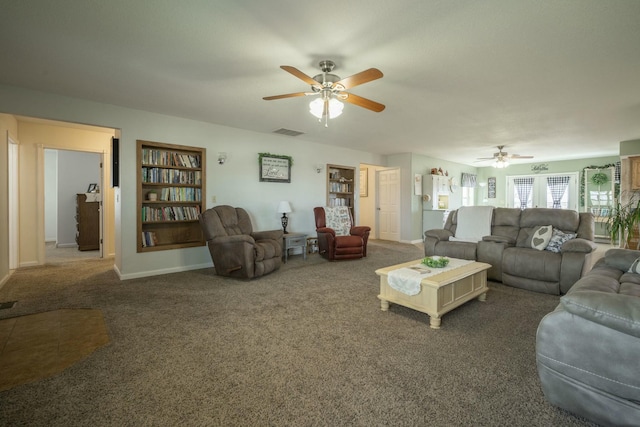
(557, 240)
(541, 237)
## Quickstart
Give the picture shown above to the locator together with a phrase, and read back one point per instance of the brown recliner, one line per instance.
(236, 250)
(338, 238)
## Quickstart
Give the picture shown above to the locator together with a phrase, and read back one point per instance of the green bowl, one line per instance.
(436, 261)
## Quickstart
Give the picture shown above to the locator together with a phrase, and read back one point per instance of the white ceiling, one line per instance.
(558, 79)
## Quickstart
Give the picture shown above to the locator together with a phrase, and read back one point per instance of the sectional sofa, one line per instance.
(588, 348)
(538, 249)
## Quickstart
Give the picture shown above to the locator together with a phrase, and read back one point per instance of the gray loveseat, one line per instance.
(588, 349)
(509, 249)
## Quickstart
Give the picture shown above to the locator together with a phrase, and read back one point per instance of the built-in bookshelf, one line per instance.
(340, 185)
(171, 195)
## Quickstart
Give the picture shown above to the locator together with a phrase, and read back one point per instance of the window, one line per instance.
(558, 191)
(468, 182)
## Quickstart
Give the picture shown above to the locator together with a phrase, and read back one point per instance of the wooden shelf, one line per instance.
(340, 185)
(176, 173)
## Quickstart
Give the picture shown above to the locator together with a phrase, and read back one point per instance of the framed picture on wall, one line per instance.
(364, 182)
(274, 168)
(491, 187)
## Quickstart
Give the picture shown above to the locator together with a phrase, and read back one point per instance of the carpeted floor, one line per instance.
(305, 346)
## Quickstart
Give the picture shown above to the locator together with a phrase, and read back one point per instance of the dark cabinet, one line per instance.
(87, 224)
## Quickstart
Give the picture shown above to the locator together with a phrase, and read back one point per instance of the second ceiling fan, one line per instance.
(502, 158)
(331, 89)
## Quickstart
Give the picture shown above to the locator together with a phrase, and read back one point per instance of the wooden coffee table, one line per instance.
(440, 293)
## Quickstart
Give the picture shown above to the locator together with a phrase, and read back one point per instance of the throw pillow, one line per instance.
(541, 237)
(557, 240)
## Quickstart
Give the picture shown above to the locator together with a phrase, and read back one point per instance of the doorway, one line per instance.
(388, 192)
(72, 199)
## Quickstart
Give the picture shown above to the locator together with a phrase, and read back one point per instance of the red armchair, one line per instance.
(338, 238)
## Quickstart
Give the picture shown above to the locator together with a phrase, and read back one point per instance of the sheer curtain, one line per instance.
(557, 186)
(523, 187)
(468, 180)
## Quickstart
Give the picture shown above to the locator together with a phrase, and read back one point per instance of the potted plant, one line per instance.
(623, 222)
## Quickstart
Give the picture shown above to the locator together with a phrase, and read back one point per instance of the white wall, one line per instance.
(235, 183)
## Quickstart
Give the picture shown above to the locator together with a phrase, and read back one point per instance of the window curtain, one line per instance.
(523, 187)
(469, 180)
(557, 186)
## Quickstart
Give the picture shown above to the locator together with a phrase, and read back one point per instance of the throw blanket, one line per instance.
(338, 218)
(407, 280)
(474, 222)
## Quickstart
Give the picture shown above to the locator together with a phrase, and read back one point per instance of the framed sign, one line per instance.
(491, 188)
(274, 168)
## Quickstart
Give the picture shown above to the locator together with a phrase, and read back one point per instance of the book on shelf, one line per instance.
(149, 239)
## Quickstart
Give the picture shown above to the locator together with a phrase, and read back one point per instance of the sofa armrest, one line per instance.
(326, 230)
(269, 234)
(500, 239)
(360, 230)
(578, 245)
(616, 311)
(439, 234)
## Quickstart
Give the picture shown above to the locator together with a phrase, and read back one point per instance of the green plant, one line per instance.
(599, 178)
(623, 221)
(436, 262)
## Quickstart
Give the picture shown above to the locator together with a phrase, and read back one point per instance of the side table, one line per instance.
(294, 240)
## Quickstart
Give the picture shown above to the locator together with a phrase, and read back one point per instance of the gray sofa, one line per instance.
(509, 251)
(588, 349)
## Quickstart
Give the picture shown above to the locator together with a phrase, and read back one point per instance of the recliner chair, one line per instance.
(338, 238)
(236, 250)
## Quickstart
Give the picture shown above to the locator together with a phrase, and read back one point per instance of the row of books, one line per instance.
(149, 238)
(338, 201)
(169, 158)
(170, 213)
(171, 176)
(337, 187)
(180, 194)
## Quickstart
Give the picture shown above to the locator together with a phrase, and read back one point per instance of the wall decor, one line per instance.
(364, 182)
(540, 167)
(417, 184)
(275, 167)
(491, 187)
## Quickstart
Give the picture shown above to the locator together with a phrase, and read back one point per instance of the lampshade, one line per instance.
(316, 107)
(501, 163)
(284, 207)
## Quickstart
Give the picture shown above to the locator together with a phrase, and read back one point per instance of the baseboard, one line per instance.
(5, 279)
(162, 271)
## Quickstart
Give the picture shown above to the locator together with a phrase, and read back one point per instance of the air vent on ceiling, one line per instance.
(288, 132)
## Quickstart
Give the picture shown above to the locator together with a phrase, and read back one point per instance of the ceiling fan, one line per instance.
(331, 90)
(501, 158)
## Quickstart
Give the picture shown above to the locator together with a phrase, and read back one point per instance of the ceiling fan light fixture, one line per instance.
(316, 107)
(501, 163)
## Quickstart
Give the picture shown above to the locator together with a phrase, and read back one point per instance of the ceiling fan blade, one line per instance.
(358, 79)
(288, 95)
(361, 102)
(299, 74)
(518, 156)
(485, 158)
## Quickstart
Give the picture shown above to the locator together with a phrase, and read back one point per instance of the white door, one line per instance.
(388, 181)
(538, 191)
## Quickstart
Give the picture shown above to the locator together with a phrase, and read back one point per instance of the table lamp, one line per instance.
(284, 208)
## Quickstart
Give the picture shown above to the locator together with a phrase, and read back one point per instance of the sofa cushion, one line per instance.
(557, 240)
(541, 237)
(532, 264)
